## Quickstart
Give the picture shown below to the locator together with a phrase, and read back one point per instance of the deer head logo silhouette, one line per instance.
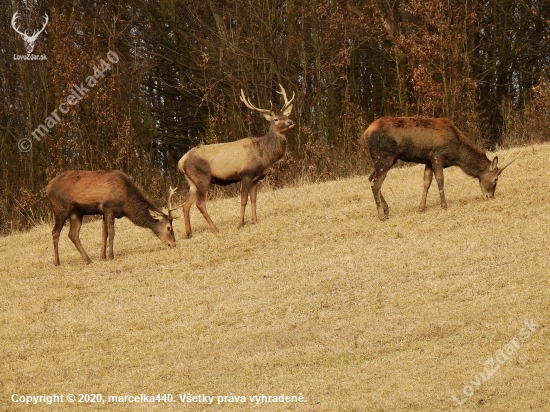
(29, 40)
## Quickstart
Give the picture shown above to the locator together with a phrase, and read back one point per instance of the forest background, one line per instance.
(180, 66)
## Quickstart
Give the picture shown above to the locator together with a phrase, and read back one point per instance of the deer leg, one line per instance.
(428, 175)
(376, 179)
(56, 232)
(201, 205)
(253, 194)
(187, 203)
(110, 219)
(102, 253)
(385, 206)
(437, 166)
(245, 189)
(76, 222)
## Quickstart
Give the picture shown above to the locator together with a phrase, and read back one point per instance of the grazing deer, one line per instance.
(29, 40)
(76, 193)
(247, 160)
(437, 143)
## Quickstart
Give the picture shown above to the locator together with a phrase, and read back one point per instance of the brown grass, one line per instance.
(320, 299)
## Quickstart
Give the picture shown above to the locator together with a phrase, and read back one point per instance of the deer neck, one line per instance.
(472, 161)
(273, 145)
(138, 212)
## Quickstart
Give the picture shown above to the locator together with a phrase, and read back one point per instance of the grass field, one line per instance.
(320, 299)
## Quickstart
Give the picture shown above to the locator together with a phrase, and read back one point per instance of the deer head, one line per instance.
(163, 226)
(279, 118)
(29, 40)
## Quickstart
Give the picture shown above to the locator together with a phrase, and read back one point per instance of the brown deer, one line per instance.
(76, 193)
(247, 160)
(436, 143)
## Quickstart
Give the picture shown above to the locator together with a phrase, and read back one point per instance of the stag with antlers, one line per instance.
(76, 193)
(436, 143)
(29, 40)
(247, 160)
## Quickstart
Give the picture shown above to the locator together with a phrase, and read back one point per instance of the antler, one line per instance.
(508, 164)
(287, 102)
(170, 208)
(29, 40)
(511, 161)
(13, 19)
(24, 34)
(246, 101)
(36, 33)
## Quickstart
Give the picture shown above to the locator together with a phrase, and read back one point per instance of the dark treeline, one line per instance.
(153, 78)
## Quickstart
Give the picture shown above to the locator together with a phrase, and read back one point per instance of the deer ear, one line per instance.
(156, 215)
(268, 116)
(494, 163)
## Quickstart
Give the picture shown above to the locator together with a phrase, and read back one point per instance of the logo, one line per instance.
(29, 40)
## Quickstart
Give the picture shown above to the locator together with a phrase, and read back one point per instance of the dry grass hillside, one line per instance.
(320, 299)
